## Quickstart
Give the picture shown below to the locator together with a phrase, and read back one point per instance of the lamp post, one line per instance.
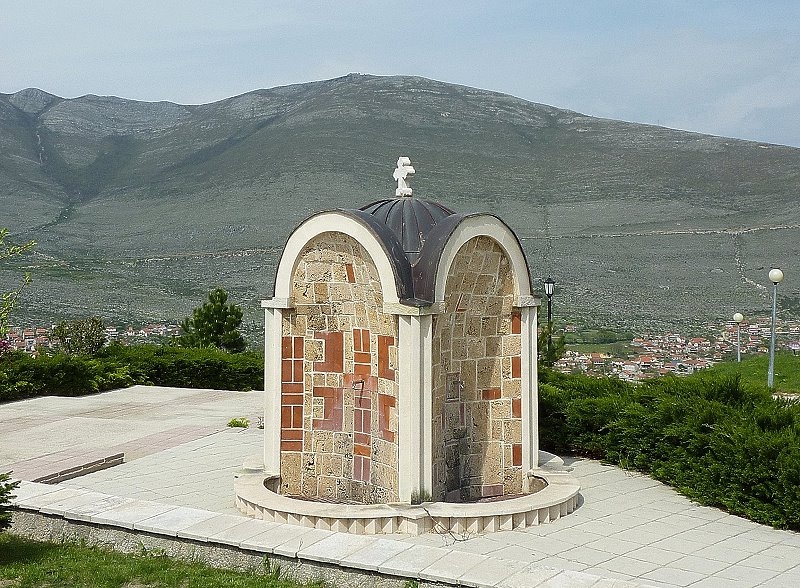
(775, 276)
(549, 288)
(738, 318)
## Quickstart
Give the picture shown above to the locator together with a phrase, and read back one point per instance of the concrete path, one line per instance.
(180, 453)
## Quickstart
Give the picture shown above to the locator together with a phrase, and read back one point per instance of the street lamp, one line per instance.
(776, 277)
(549, 288)
(738, 318)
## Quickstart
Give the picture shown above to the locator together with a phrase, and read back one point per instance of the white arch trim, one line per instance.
(484, 226)
(333, 222)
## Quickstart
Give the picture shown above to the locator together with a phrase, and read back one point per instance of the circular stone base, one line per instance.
(557, 499)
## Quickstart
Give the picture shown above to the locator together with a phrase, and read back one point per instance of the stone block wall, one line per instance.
(477, 425)
(338, 384)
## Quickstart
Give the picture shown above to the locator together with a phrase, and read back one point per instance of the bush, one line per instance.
(6, 488)
(716, 440)
(115, 366)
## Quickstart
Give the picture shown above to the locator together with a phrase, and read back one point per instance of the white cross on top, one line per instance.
(403, 170)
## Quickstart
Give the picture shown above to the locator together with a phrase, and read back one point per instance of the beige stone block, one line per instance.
(313, 350)
(327, 487)
(506, 281)
(459, 350)
(318, 380)
(485, 284)
(489, 325)
(494, 346)
(286, 324)
(512, 388)
(479, 414)
(505, 325)
(343, 444)
(494, 306)
(512, 431)
(333, 465)
(501, 409)
(476, 347)
(512, 480)
(372, 318)
(492, 466)
(512, 345)
(291, 470)
(472, 327)
(316, 320)
(318, 411)
(339, 292)
(489, 374)
(300, 325)
(345, 323)
(338, 272)
(506, 368)
(318, 272)
(491, 261)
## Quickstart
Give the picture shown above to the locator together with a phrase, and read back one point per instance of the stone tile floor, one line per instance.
(629, 527)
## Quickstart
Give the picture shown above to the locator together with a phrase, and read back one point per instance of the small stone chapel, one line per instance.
(400, 356)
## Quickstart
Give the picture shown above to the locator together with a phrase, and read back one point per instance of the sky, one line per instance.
(729, 68)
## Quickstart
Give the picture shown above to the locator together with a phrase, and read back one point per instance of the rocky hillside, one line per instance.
(140, 208)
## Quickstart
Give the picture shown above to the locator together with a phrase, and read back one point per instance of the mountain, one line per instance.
(141, 208)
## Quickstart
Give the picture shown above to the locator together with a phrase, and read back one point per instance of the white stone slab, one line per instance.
(45, 499)
(173, 521)
(28, 490)
(335, 547)
(208, 528)
(373, 555)
(235, 536)
(85, 512)
(452, 566)
(128, 514)
(528, 578)
(291, 547)
(412, 561)
(491, 572)
(63, 506)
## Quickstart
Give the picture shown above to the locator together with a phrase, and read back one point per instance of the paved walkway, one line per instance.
(180, 452)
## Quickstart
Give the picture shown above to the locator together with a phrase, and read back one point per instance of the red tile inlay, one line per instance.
(516, 408)
(334, 352)
(332, 409)
(291, 446)
(516, 366)
(351, 277)
(516, 454)
(516, 323)
(384, 342)
(385, 404)
(491, 394)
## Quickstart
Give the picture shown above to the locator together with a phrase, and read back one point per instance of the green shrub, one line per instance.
(22, 376)
(718, 441)
(7, 486)
(239, 422)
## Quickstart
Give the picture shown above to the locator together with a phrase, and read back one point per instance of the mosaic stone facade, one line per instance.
(338, 382)
(477, 425)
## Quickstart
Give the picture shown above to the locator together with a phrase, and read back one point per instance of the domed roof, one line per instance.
(410, 219)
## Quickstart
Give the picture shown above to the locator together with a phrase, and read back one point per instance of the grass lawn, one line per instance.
(31, 564)
(753, 371)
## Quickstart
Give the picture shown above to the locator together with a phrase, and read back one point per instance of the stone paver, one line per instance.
(181, 460)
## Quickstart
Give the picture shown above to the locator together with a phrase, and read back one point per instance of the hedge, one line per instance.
(116, 366)
(717, 441)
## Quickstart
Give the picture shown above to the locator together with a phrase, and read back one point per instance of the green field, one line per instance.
(753, 371)
(32, 564)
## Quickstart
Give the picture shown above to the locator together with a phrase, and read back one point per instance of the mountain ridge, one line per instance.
(107, 181)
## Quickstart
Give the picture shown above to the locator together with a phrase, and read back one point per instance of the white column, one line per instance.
(272, 390)
(530, 389)
(414, 405)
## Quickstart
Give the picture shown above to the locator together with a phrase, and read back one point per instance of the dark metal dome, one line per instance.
(410, 219)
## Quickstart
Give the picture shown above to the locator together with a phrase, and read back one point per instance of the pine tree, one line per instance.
(214, 324)
(7, 486)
